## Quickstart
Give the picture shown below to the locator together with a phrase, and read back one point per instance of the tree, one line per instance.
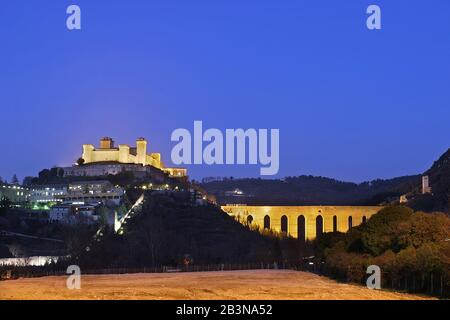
(5, 204)
(15, 180)
(27, 181)
(44, 175)
(382, 230)
(54, 172)
(424, 227)
(80, 161)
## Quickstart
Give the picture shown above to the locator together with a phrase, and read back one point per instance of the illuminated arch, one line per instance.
(301, 228)
(284, 224)
(319, 225)
(335, 223)
(267, 222)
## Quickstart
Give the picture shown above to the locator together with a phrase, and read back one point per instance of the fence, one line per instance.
(8, 273)
(434, 284)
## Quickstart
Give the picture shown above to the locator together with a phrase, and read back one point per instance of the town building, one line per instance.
(14, 193)
(93, 192)
(47, 194)
(74, 213)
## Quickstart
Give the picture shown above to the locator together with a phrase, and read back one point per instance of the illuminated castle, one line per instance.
(109, 157)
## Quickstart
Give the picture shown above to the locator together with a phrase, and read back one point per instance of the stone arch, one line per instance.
(319, 225)
(249, 219)
(284, 224)
(335, 223)
(301, 227)
(350, 222)
(266, 222)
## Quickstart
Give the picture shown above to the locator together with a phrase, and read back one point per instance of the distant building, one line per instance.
(47, 193)
(426, 188)
(234, 193)
(74, 213)
(404, 199)
(16, 194)
(108, 155)
(93, 192)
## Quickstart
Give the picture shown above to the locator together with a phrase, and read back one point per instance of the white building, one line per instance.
(16, 194)
(48, 193)
(74, 213)
(426, 188)
(93, 191)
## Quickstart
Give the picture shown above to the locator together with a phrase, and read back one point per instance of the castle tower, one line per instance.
(426, 185)
(88, 153)
(156, 160)
(124, 153)
(106, 143)
(141, 151)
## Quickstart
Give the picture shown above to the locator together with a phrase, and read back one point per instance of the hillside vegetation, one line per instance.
(439, 199)
(406, 245)
(169, 231)
(309, 190)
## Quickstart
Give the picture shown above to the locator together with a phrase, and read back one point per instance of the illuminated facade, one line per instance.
(47, 193)
(14, 193)
(124, 154)
(93, 191)
(303, 222)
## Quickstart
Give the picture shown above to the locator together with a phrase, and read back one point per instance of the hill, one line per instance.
(439, 177)
(308, 190)
(168, 231)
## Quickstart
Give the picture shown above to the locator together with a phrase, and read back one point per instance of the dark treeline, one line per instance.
(406, 245)
(309, 190)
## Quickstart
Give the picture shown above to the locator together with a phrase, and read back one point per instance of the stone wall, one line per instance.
(315, 218)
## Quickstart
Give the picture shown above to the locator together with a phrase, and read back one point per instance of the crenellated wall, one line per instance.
(315, 218)
(124, 154)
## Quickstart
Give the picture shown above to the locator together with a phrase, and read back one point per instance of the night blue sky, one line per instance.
(350, 103)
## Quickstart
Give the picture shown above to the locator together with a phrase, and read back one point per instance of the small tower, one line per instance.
(124, 153)
(88, 153)
(141, 151)
(106, 143)
(426, 185)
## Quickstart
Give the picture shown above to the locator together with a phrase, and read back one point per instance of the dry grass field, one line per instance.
(235, 285)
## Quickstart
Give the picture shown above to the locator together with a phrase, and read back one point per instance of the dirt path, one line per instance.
(242, 285)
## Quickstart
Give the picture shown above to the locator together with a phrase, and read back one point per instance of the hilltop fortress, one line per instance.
(109, 159)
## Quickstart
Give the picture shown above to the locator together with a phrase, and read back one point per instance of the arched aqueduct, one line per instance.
(303, 222)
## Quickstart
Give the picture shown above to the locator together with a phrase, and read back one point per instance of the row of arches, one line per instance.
(301, 224)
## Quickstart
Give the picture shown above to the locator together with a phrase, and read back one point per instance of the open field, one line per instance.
(242, 285)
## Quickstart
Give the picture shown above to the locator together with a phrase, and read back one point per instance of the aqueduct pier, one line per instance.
(303, 222)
